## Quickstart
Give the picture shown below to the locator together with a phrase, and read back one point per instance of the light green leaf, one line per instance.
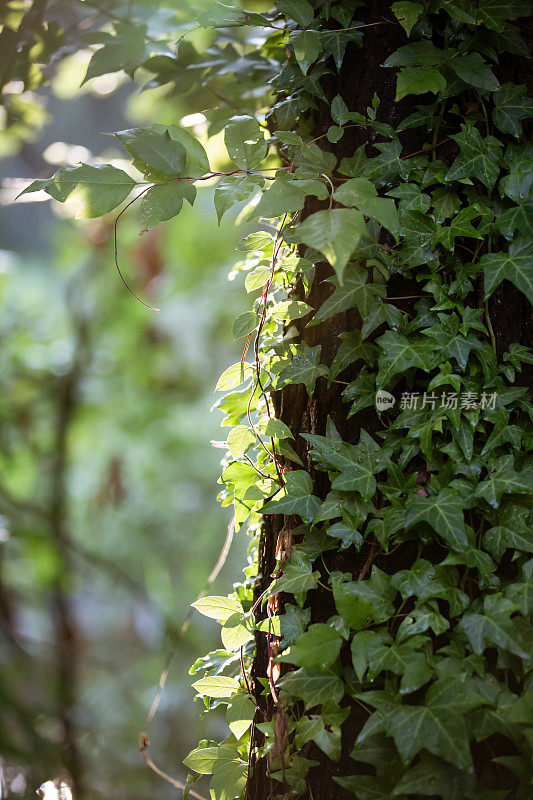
(290, 309)
(236, 631)
(218, 607)
(217, 686)
(336, 233)
(297, 577)
(240, 714)
(240, 439)
(154, 151)
(126, 50)
(244, 324)
(229, 780)
(245, 141)
(235, 375)
(206, 760)
(98, 189)
(235, 189)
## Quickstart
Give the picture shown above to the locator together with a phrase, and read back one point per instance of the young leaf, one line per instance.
(217, 686)
(245, 141)
(234, 376)
(240, 714)
(336, 233)
(154, 151)
(218, 607)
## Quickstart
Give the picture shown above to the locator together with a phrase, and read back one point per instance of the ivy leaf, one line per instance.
(297, 577)
(400, 354)
(519, 161)
(407, 14)
(245, 141)
(334, 43)
(474, 70)
(512, 531)
(218, 607)
(361, 193)
(502, 479)
(289, 310)
(296, 497)
(444, 512)
(515, 266)
(354, 292)
(314, 687)
(217, 686)
(98, 189)
(304, 367)
(352, 349)
(240, 714)
(361, 602)
(154, 151)
(299, 10)
(235, 189)
(419, 80)
(319, 646)
(495, 629)
(293, 623)
(423, 53)
(511, 106)
(235, 375)
(478, 158)
(389, 165)
(164, 201)
(336, 233)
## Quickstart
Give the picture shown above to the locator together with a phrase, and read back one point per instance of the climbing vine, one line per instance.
(410, 243)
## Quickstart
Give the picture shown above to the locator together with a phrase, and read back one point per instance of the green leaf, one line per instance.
(495, 629)
(245, 141)
(444, 512)
(164, 201)
(235, 375)
(126, 50)
(511, 106)
(218, 607)
(502, 479)
(235, 189)
(515, 266)
(206, 760)
(286, 194)
(355, 292)
(318, 647)
(361, 602)
(229, 780)
(217, 686)
(244, 324)
(297, 577)
(407, 14)
(293, 623)
(288, 310)
(423, 53)
(336, 233)
(419, 80)
(307, 47)
(295, 498)
(304, 367)
(98, 189)
(335, 43)
(275, 428)
(240, 439)
(299, 10)
(400, 354)
(474, 70)
(388, 166)
(240, 714)
(236, 631)
(478, 158)
(361, 193)
(512, 531)
(154, 151)
(314, 687)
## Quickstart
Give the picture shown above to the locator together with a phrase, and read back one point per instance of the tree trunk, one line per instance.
(361, 76)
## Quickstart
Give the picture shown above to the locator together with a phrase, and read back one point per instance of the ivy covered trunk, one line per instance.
(361, 79)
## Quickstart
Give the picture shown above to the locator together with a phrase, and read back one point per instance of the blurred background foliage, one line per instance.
(109, 522)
